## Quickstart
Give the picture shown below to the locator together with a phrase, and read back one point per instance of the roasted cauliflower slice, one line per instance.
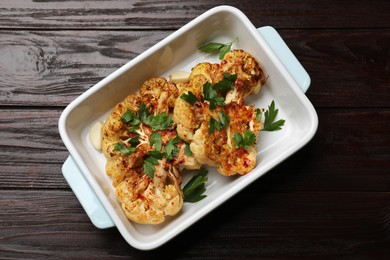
(188, 117)
(149, 198)
(150, 201)
(212, 72)
(114, 129)
(159, 95)
(218, 148)
(250, 77)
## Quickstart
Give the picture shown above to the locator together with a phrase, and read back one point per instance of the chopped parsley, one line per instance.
(187, 150)
(155, 139)
(210, 91)
(258, 114)
(245, 141)
(171, 148)
(194, 189)
(161, 121)
(269, 118)
(190, 97)
(227, 83)
(134, 141)
(150, 162)
(129, 117)
(211, 95)
(222, 48)
(123, 148)
(218, 125)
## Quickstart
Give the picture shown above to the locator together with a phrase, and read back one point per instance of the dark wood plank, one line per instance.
(51, 68)
(347, 69)
(344, 155)
(330, 200)
(122, 14)
(51, 224)
(350, 152)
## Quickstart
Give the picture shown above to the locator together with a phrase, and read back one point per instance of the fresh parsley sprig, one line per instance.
(151, 161)
(171, 148)
(129, 117)
(134, 141)
(121, 147)
(161, 121)
(210, 91)
(194, 189)
(187, 150)
(245, 141)
(227, 83)
(222, 48)
(269, 118)
(156, 140)
(214, 124)
(190, 97)
(211, 95)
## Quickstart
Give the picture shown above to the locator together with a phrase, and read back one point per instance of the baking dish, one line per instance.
(84, 170)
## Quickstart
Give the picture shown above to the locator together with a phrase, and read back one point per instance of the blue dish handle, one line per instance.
(284, 54)
(85, 194)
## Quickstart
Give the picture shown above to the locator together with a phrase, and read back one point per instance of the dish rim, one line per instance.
(101, 84)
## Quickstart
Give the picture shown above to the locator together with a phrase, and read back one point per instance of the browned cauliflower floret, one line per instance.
(114, 130)
(149, 201)
(187, 116)
(184, 161)
(211, 72)
(218, 148)
(119, 165)
(159, 95)
(250, 76)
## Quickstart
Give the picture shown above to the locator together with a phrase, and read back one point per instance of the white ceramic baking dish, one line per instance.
(85, 168)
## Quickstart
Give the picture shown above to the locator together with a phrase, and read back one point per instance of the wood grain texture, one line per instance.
(258, 225)
(51, 68)
(330, 200)
(122, 14)
(343, 158)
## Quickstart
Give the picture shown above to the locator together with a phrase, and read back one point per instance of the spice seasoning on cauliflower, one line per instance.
(150, 137)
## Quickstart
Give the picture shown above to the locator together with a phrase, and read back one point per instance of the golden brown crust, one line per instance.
(149, 200)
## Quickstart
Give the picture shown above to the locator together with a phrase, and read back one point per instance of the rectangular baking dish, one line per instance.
(287, 81)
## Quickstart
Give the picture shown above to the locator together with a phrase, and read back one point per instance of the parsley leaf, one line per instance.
(237, 138)
(269, 118)
(224, 119)
(258, 114)
(143, 112)
(194, 189)
(227, 83)
(245, 141)
(214, 124)
(149, 167)
(171, 148)
(211, 47)
(134, 141)
(155, 139)
(222, 48)
(123, 148)
(187, 150)
(210, 92)
(150, 162)
(161, 121)
(190, 97)
(212, 96)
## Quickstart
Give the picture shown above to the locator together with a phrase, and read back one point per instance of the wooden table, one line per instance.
(329, 200)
